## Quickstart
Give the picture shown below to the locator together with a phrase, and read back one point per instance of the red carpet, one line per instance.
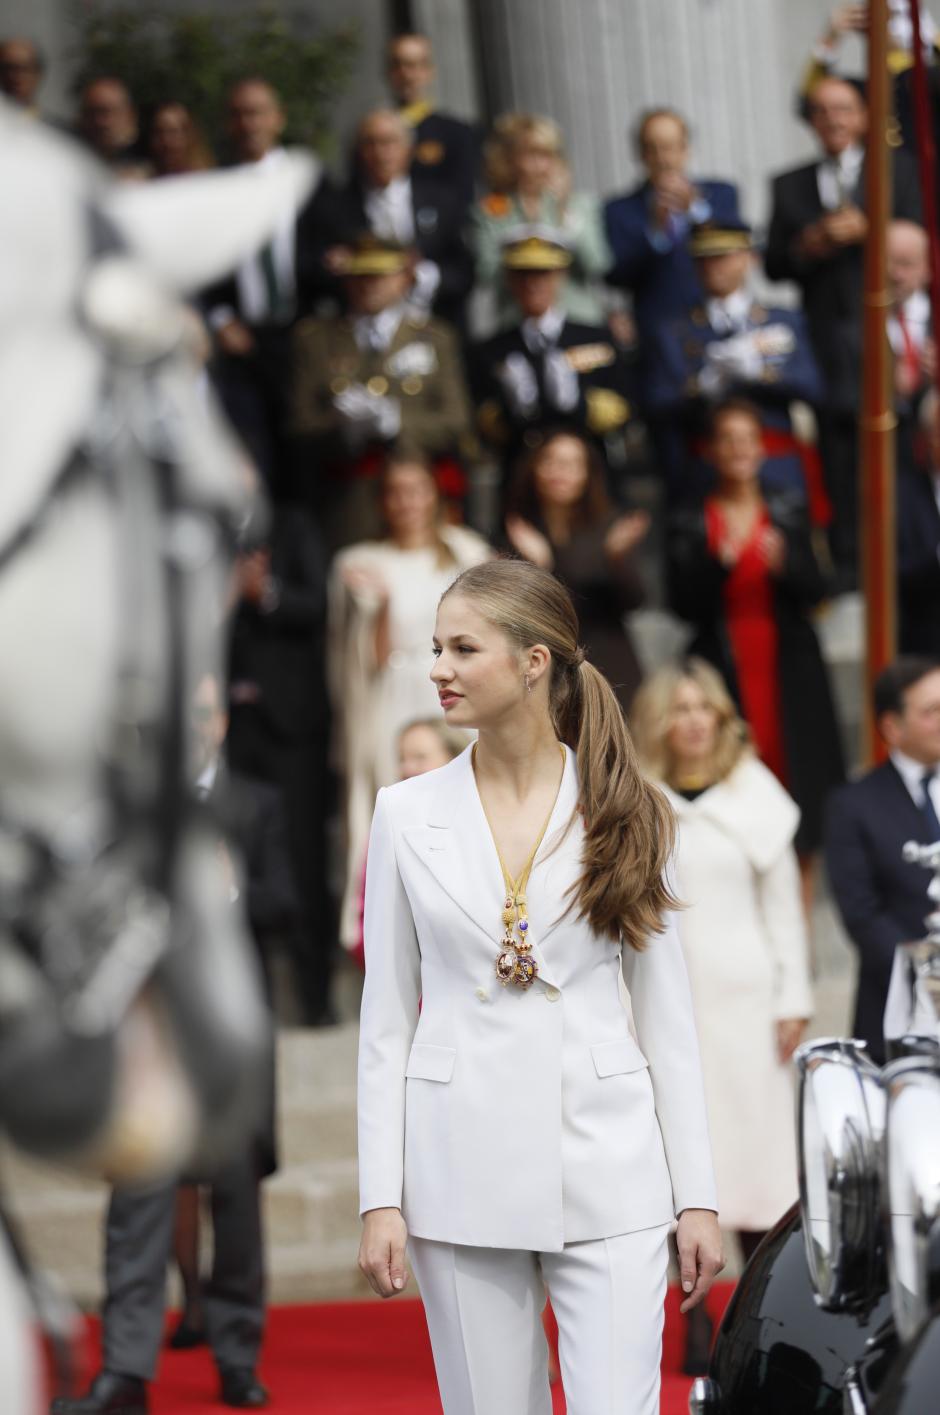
(359, 1358)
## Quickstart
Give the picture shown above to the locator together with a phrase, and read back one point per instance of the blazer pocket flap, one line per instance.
(617, 1058)
(430, 1063)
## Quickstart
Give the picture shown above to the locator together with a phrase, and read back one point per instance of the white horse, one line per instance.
(131, 1027)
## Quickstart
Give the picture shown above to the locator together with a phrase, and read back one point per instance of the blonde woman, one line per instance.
(426, 743)
(513, 1129)
(529, 184)
(382, 598)
(743, 931)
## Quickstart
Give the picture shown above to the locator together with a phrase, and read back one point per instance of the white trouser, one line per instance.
(484, 1307)
(19, 1386)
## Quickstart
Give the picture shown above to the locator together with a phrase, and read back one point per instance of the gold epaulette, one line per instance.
(606, 410)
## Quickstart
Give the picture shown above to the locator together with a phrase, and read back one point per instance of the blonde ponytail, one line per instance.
(629, 826)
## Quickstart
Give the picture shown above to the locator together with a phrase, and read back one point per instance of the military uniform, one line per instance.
(774, 367)
(602, 406)
(419, 370)
(547, 371)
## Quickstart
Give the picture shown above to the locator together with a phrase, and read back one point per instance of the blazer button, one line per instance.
(482, 995)
(552, 994)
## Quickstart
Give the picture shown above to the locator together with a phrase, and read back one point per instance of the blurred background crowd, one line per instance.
(457, 349)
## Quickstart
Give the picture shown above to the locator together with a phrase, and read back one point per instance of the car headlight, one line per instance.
(841, 1111)
(912, 1185)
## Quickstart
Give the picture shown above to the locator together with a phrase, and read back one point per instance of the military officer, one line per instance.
(445, 149)
(546, 370)
(731, 344)
(364, 380)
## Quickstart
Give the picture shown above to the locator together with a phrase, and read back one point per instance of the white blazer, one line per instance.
(504, 1118)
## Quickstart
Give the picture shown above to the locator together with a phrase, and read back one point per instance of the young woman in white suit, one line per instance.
(516, 1127)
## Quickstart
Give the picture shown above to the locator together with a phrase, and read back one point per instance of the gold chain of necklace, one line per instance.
(513, 962)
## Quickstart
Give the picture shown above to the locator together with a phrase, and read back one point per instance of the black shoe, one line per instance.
(698, 1342)
(241, 1388)
(109, 1394)
(186, 1335)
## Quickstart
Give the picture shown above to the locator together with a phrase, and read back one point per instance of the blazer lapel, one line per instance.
(558, 863)
(914, 820)
(456, 845)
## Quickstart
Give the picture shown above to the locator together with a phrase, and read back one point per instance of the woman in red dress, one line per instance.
(743, 572)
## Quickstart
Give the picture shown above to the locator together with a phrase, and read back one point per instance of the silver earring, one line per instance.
(528, 685)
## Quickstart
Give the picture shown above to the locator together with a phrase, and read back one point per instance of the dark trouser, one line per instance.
(138, 1245)
(838, 444)
(252, 390)
(299, 768)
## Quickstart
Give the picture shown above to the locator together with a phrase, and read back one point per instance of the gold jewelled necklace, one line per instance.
(513, 962)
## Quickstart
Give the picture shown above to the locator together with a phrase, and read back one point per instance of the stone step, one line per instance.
(316, 1272)
(320, 1134)
(312, 1203)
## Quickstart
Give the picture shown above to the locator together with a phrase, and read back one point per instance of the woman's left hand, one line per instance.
(789, 1035)
(529, 542)
(698, 1239)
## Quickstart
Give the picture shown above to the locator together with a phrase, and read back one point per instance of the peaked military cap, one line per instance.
(535, 248)
(720, 238)
(371, 255)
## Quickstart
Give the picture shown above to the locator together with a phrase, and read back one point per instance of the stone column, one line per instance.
(731, 66)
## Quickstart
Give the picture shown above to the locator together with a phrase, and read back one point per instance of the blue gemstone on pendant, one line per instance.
(523, 925)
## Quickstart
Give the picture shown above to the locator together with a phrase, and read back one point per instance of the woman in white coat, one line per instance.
(382, 597)
(743, 932)
(516, 1129)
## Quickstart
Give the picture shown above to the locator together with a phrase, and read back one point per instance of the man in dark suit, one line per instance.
(648, 228)
(882, 899)
(279, 723)
(729, 344)
(251, 313)
(446, 150)
(396, 202)
(139, 1227)
(918, 527)
(546, 371)
(816, 238)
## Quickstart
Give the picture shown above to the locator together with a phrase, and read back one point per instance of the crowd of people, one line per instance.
(455, 353)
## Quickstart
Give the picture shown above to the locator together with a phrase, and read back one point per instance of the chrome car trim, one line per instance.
(912, 1189)
(704, 1397)
(840, 1123)
(853, 1401)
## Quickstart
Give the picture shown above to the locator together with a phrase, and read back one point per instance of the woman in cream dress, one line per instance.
(743, 932)
(383, 599)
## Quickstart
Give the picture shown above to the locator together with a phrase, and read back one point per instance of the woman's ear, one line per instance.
(538, 662)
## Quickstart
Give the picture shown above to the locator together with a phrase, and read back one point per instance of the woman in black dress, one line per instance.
(560, 517)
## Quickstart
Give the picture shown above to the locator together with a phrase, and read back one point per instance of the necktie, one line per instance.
(910, 357)
(930, 815)
(276, 296)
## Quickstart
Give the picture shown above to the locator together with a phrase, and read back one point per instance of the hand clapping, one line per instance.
(529, 542)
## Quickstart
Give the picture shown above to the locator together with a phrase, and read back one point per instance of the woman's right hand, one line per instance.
(365, 580)
(845, 18)
(625, 533)
(382, 1251)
